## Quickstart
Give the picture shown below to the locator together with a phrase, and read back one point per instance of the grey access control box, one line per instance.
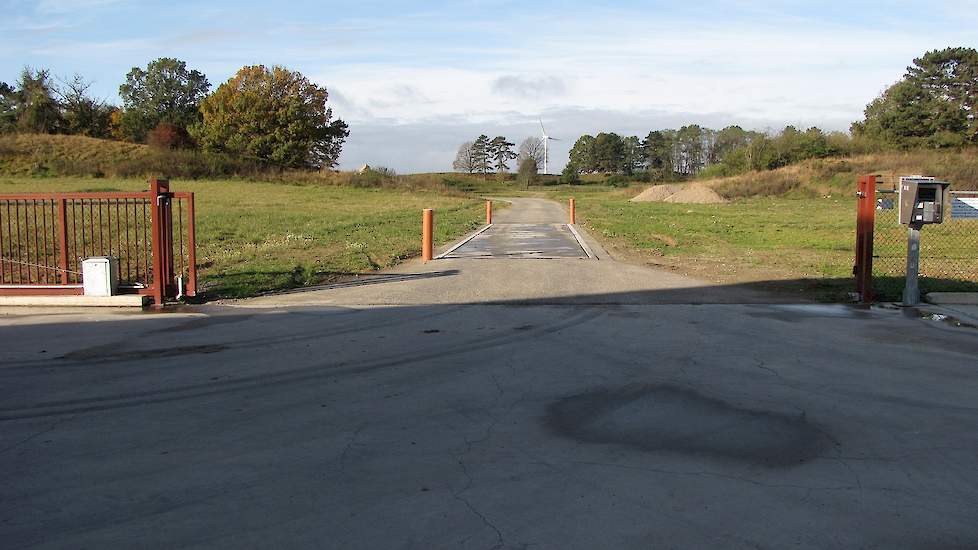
(923, 200)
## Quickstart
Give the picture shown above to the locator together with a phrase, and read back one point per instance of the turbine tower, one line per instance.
(546, 148)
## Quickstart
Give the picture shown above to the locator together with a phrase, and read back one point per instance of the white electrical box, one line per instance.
(100, 276)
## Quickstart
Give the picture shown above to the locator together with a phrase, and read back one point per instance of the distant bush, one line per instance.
(371, 177)
(822, 177)
(527, 175)
(618, 180)
(766, 184)
(717, 171)
(385, 171)
(570, 176)
(177, 163)
(169, 136)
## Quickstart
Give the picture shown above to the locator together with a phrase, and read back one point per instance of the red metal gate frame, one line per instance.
(161, 220)
(865, 227)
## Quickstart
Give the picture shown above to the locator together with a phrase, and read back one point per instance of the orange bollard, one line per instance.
(488, 212)
(427, 227)
(572, 211)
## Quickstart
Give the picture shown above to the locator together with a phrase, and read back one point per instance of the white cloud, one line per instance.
(529, 87)
(435, 79)
(69, 6)
(630, 81)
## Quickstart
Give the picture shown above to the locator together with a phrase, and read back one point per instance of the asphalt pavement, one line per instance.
(491, 403)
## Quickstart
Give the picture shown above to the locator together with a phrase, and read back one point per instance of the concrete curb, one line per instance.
(459, 244)
(580, 241)
(597, 250)
(122, 300)
(953, 298)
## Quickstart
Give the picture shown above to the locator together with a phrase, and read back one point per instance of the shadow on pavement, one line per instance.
(370, 279)
(602, 421)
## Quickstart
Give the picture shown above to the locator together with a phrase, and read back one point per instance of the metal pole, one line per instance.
(191, 247)
(546, 154)
(427, 228)
(911, 292)
(571, 206)
(865, 227)
(156, 190)
(63, 239)
(488, 212)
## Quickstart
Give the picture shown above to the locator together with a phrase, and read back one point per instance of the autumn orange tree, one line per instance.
(273, 115)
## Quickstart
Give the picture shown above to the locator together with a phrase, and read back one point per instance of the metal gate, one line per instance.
(948, 251)
(45, 236)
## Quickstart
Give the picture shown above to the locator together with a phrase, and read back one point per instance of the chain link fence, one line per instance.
(948, 251)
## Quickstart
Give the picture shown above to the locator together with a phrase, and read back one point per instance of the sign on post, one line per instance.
(923, 201)
(964, 208)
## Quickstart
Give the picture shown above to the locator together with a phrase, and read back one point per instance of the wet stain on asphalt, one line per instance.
(205, 322)
(663, 418)
(112, 353)
(941, 318)
(793, 313)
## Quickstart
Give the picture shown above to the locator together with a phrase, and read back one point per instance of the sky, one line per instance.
(416, 79)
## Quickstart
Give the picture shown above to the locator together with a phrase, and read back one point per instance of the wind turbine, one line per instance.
(546, 148)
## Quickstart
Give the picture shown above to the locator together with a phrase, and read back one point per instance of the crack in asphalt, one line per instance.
(54, 425)
(458, 495)
(349, 446)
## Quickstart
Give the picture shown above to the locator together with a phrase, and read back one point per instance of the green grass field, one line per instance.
(803, 245)
(800, 245)
(255, 237)
(259, 236)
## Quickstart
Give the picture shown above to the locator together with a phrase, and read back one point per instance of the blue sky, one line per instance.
(414, 80)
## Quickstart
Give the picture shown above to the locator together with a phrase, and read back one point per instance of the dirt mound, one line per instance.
(657, 193)
(696, 194)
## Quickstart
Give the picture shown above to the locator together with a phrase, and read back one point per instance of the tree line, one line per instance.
(670, 154)
(269, 114)
(934, 105)
(483, 155)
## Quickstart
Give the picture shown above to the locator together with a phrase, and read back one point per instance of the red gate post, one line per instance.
(865, 227)
(158, 190)
(571, 206)
(488, 212)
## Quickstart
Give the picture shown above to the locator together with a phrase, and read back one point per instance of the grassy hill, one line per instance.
(822, 177)
(61, 155)
(40, 154)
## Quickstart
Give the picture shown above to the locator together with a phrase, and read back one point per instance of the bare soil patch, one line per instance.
(657, 193)
(694, 193)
